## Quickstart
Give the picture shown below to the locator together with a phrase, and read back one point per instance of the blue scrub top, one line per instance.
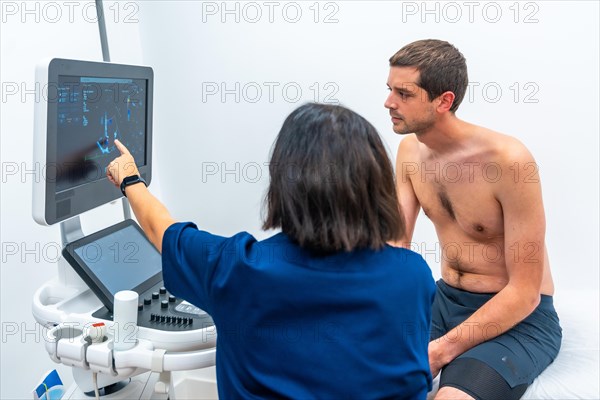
(293, 324)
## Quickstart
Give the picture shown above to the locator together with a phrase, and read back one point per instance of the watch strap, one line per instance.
(131, 180)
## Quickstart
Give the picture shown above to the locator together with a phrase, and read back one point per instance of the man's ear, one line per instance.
(446, 100)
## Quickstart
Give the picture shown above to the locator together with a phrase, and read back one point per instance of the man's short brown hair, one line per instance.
(441, 68)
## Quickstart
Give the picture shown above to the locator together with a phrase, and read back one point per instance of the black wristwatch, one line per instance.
(131, 180)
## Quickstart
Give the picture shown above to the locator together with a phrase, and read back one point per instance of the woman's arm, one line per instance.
(152, 215)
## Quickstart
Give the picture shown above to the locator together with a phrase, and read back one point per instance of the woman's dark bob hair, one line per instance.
(332, 183)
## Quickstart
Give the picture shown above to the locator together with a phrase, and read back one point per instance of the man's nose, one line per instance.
(389, 103)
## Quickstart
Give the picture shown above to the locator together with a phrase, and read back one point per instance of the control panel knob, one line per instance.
(154, 295)
(172, 298)
(147, 301)
(164, 304)
(163, 290)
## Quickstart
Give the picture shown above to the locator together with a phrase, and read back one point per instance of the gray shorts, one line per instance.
(518, 355)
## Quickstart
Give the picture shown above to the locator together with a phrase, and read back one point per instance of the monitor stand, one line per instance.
(70, 230)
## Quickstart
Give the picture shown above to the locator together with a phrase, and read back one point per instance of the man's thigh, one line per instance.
(450, 393)
(476, 380)
(505, 365)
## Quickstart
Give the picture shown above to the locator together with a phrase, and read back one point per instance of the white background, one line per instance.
(210, 148)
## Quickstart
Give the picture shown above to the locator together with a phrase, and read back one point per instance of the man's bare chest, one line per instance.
(460, 197)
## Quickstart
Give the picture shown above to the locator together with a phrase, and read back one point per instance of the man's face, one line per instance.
(409, 105)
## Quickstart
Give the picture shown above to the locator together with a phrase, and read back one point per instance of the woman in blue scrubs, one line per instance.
(326, 308)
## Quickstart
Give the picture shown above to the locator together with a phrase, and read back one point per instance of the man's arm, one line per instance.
(409, 204)
(150, 213)
(519, 193)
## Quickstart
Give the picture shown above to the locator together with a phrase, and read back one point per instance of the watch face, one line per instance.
(131, 179)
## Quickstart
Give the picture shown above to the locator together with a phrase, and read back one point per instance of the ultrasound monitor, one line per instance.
(84, 107)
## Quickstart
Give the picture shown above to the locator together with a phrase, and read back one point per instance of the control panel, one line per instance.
(158, 309)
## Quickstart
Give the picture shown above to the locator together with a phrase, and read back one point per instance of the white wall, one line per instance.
(209, 152)
(545, 65)
(29, 32)
(544, 60)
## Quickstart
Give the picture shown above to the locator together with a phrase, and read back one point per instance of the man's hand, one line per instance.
(122, 166)
(435, 357)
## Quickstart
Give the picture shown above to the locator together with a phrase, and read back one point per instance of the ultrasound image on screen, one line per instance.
(92, 113)
(122, 260)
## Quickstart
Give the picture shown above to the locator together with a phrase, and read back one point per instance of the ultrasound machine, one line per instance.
(109, 316)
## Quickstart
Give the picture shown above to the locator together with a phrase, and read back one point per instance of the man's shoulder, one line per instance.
(409, 140)
(505, 149)
(408, 147)
(513, 165)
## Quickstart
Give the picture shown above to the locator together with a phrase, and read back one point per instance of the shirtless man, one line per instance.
(494, 328)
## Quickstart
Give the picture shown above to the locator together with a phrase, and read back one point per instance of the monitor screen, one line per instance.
(122, 260)
(86, 106)
(91, 113)
(117, 258)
